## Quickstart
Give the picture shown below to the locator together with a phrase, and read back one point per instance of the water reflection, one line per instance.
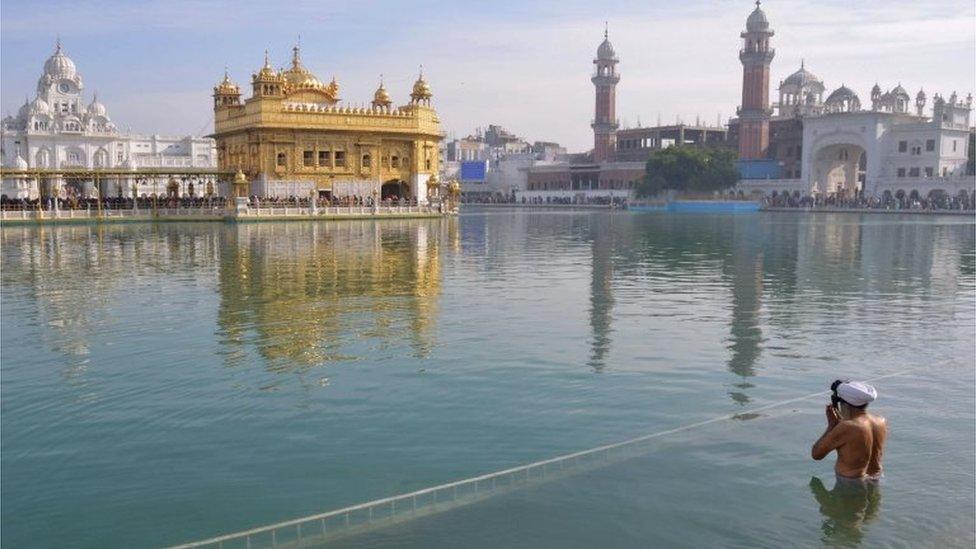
(601, 289)
(298, 294)
(847, 509)
(303, 295)
(744, 267)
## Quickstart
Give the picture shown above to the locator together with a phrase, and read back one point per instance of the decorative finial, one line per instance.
(606, 30)
(757, 4)
(381, 80)
(57, 47)
(803, 63)
(226, 72)
(421, 70)
(267, 60)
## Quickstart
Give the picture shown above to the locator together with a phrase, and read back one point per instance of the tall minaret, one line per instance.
(756, 55)
(605, 120)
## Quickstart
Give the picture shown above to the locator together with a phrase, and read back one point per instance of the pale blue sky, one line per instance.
(523, 65)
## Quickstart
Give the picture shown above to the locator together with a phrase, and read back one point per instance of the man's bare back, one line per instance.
(859, 440)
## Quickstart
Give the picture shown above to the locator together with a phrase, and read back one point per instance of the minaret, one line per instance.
(756, 55)
(605, 120)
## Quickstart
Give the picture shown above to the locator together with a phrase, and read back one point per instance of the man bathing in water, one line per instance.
(858, 436)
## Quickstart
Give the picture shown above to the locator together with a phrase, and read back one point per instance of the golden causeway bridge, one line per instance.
(187, 194)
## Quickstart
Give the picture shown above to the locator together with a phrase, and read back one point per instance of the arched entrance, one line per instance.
(840, 170)
(395, 190)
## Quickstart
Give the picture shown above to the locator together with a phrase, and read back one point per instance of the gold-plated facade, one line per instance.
(294, 127)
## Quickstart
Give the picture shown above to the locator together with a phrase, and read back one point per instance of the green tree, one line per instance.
(691, 169)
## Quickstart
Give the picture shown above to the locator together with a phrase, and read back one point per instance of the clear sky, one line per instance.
(524, 65)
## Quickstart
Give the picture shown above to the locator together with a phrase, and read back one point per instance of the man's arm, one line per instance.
(832, 439)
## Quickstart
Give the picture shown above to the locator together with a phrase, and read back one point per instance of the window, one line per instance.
(901, 172)
(395, 161)
(929, 172)
(930, 145)
(323, 158)
(308, 158)
(902, 146)
(913, 172)
(427, 164)
(340, 158)
(954, 145)
(282, 160)
(367, 161)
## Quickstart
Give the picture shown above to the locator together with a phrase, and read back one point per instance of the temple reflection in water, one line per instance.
(306, 294)
(297, 294)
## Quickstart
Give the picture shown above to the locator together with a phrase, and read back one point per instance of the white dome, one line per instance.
(59, 65)
(605, 51)
(39, 106)
(96, 108)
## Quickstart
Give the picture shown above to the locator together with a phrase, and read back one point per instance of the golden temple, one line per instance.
(293, 137)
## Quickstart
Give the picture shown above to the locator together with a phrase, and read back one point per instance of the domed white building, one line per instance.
(58, 129)
(838, 146)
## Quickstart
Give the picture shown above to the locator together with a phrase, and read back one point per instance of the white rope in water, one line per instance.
(506, 472)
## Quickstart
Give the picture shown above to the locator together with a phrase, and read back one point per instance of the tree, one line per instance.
(691, 169)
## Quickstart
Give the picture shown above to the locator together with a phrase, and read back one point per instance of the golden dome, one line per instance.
(298, 76)
(421, 89)
(267, 72)
(382, 97)
(226, 86)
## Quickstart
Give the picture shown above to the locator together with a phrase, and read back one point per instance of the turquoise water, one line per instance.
(165, 383)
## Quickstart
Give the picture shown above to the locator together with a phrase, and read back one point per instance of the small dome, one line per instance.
(59, 65)
(802, 77)
(921, 95)
(899, 91)
(757, 21)
(382, 97)
(267, 72)
(227, 86)
(95, 108)
(605, 50)
(39, 106)
(843, 99)
(421, 89)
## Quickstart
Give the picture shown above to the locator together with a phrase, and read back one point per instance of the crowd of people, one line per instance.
(498, 198)
(149, 203)
(109, 203)
(885, 202)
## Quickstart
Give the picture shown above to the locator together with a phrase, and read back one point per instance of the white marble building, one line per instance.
(894, 148)
(57, 129)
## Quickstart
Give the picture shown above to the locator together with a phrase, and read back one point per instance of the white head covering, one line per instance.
(856, 393)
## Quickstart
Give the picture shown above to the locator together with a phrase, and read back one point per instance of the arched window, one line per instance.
(367, 161)
(395, 161)
(282, 159)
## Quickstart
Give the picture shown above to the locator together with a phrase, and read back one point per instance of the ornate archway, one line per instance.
(395, 189)
(839, 170)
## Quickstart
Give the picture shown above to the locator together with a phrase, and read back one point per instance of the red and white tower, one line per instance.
(754, 114)
(605, 120)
